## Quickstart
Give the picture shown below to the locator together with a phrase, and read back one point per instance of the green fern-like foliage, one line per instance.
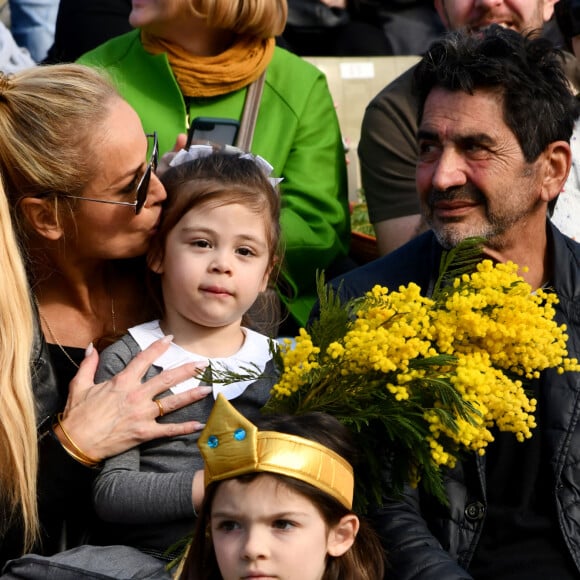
(333, 318)
(462, 259)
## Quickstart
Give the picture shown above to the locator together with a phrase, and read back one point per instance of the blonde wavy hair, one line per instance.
(48, 116)
(260, 18)
(18, 444)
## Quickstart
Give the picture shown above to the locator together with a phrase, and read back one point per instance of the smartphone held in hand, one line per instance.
(212, 129)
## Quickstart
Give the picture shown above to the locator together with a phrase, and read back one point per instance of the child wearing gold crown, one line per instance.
(278, 502)
(213, 254)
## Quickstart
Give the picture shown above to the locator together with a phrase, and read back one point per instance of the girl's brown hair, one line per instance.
(221, 178)
(365, 560)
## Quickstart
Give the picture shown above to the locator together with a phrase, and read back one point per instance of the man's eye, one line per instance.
(470, 146)
(427, 148)
(473, 147)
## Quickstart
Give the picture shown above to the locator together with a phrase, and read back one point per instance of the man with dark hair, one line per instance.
(388, 150)
(495, 120)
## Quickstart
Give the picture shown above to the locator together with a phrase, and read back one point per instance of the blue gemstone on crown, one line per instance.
(239, 434)
(212, 441)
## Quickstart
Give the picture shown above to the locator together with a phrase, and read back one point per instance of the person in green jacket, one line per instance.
(196, 58)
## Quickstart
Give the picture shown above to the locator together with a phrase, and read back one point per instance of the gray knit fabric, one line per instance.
(143, 495)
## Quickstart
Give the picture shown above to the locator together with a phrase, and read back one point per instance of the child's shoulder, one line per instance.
(116, 357)
(138, 338)
(124, 344)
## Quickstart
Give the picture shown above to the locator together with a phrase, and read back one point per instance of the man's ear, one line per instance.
(342, 536)
(557, 162)
(41, 217)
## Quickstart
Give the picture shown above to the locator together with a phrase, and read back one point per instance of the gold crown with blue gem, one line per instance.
(231, 446)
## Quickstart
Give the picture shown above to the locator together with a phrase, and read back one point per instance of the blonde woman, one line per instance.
(196, 58)
(18, 451)
(80, 182)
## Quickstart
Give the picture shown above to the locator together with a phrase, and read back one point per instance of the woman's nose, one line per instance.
(156, 192)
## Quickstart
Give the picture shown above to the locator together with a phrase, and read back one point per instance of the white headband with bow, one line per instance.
(201, 151)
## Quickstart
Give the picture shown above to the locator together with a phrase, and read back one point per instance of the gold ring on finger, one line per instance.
(161, 409)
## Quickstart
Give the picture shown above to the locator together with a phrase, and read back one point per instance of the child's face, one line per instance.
(263, 529)
(216, 262)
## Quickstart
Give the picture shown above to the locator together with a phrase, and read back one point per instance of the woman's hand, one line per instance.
(111, 417)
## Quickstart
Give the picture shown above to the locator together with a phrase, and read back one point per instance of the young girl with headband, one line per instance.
(214, 253)
(278, 502)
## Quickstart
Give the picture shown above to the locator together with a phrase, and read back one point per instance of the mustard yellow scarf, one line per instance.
(208, 76)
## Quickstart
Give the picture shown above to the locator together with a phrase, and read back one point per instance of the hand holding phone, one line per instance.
(213, 129)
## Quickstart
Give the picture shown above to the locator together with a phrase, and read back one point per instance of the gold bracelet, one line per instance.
(78, 453)
(77, 458)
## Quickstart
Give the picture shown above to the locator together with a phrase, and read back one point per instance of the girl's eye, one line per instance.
(228, 525)
(284, 524)
(200, 243)
(246, 252)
